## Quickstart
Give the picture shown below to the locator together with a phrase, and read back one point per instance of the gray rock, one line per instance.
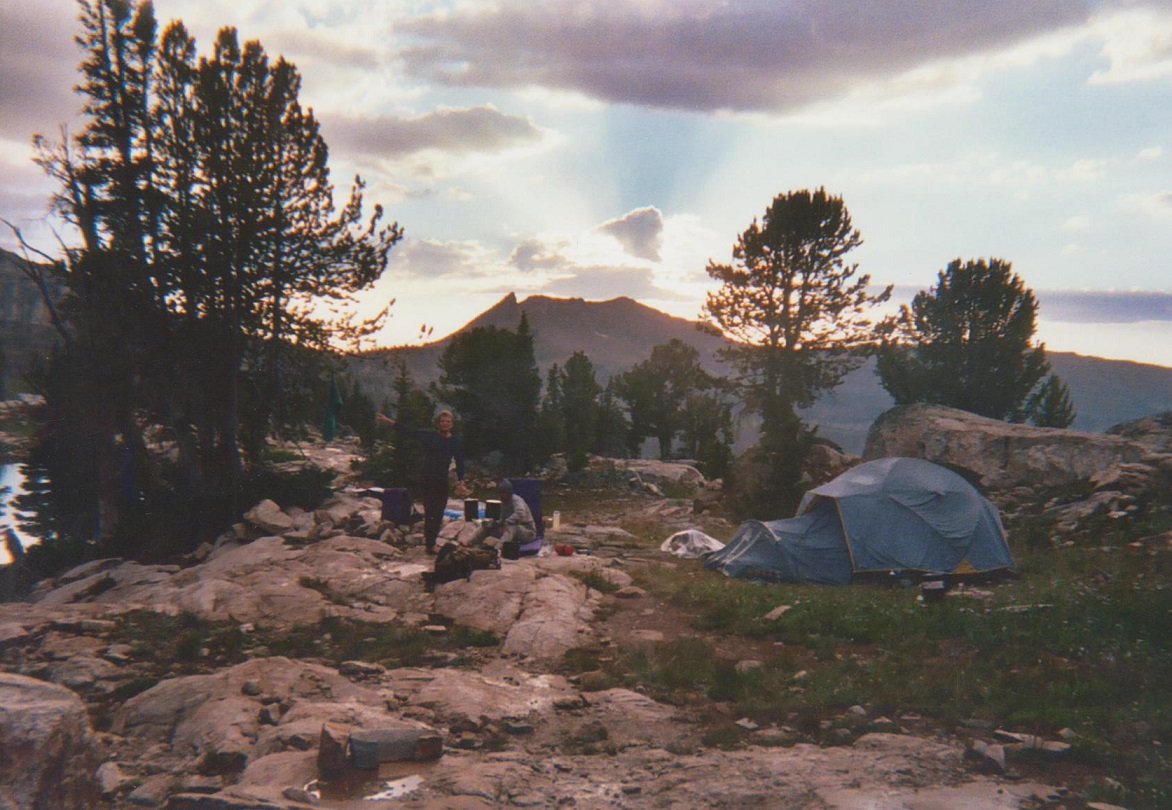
(112, 780)
(268, 517)
(50, 756)
(1001, 454)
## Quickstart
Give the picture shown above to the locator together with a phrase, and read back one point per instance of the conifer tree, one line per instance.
(202, 195)
(796, 309)
(968, 343)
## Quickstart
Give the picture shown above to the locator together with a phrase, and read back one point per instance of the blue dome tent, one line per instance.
(888, 515)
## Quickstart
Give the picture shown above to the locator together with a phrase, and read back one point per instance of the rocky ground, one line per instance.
(91, 715)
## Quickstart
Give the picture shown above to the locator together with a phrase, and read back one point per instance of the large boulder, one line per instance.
(48, 754)
(537, 614)
(1001, 455)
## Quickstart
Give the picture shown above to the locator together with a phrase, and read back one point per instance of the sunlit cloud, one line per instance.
(640, 232)
(1137, 43)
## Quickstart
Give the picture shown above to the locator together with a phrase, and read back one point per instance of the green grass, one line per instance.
(1082, 640)
(186, 644)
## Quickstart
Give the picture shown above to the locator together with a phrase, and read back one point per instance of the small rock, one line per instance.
(251, 688)
(119, 654)
(270, 715)
(630, 592)
(360, 669)
(777, 613)
(1055, 748)
(748, 665)
(267, 516)
(97, 626)
(112, 779)
(435, 629)
(857, 711)
(747, 724)
(988, 758)
(153, 791)
(569, 703)
(296, 794)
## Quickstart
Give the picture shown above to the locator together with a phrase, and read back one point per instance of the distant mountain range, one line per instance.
(619, 333)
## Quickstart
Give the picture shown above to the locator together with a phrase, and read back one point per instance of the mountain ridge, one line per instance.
(618, 333)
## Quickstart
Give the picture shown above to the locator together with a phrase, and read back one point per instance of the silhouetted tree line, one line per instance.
(200, 189)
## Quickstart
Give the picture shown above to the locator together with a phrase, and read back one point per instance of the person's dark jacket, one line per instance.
(438, 453)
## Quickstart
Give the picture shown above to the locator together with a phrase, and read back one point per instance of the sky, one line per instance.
(588, 149)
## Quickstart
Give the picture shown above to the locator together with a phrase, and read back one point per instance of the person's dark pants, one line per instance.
(435, 500)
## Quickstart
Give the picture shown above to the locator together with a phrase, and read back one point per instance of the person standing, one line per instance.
(440, 448)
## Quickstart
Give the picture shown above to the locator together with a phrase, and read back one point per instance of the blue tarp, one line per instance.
(893, 514)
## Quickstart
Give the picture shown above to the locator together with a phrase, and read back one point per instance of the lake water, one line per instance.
(11, 487)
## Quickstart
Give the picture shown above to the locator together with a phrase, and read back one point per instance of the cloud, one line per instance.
(1156, 205)
(460, 131)
(640, 232)
(38, 61)
(1079, 306)
(752, 55)
(1137, 43)
(427, 258)
(599, 282)
(537, 254)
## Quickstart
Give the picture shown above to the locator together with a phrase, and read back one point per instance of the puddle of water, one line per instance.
(397, 789)
(11, 487)
(392, 780)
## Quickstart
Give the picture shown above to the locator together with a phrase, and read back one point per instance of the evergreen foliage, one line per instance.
(612, 427)
(551, 420)
(489, 375)
(968, 343)
(1050, 405)
(209, 238)
(796, 308)
(580, 392)
(657, 390)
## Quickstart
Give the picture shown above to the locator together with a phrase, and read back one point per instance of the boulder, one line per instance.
(1000, 455)
(537, 615)
(658, 472)
(1153, 432)
(48, 754)
(268, 517)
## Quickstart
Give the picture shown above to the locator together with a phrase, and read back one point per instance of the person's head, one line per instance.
(505, 490)
(445, 421)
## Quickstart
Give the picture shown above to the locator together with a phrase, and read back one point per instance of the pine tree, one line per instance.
(1051, 405)
(967, 343)
(579, 408)
(796, 310)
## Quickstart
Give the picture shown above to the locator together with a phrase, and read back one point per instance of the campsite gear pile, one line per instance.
(454, 561)
(892, 515)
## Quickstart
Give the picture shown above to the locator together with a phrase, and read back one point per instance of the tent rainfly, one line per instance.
(883, 516)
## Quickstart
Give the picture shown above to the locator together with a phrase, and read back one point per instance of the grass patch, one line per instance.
(186, 644)
(1079, 641)
(595, 580)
